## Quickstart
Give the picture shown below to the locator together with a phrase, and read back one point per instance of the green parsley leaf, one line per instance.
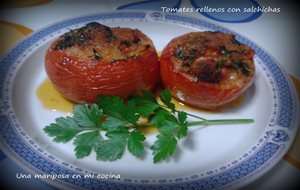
(163, 147)
(121, 121)
(87, 116)
(160, 116)
(168, 124)
(63, 130)
(114, 147)
(130, 113)
(113, 106)
(147, 95)
(166, 97)
(112, 123)
(182, 125)
(134, 139)
(120, 132)
(144, 107)
(85, 142)
(168, 128)
(111, 149)
(135, 143)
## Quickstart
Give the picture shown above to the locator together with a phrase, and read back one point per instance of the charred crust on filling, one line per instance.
(98, 42)
(192, 57)
(208, 72)
(136, 40)
(83, 35)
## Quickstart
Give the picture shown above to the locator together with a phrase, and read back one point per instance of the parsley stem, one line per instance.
(195, 116)
(198, 117)
(220, 121)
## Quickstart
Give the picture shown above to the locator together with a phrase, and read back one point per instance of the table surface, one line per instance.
(275, 32)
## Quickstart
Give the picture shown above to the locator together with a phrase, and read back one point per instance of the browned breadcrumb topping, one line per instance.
(203, 55)
(97, 42)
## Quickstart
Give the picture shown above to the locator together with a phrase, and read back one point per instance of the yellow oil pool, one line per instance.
(51, 99)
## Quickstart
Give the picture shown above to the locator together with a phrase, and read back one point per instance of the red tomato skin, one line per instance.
(81, 81)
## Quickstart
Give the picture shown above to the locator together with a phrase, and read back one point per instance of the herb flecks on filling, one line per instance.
(97, 42)
(82, 35)
(205, 55)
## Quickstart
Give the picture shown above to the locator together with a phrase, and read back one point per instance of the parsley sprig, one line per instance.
(112, 125)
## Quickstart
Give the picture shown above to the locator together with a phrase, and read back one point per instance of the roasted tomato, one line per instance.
(99, 60)
(207, 69)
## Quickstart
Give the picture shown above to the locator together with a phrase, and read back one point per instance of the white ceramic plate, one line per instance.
(219, 156)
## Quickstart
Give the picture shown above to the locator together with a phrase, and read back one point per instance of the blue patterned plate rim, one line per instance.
(271, 147)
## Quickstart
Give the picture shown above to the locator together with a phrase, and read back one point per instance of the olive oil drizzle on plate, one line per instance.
(51, 99)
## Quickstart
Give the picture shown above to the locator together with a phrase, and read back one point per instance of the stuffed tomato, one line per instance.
(99, 60)
(207, 69)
